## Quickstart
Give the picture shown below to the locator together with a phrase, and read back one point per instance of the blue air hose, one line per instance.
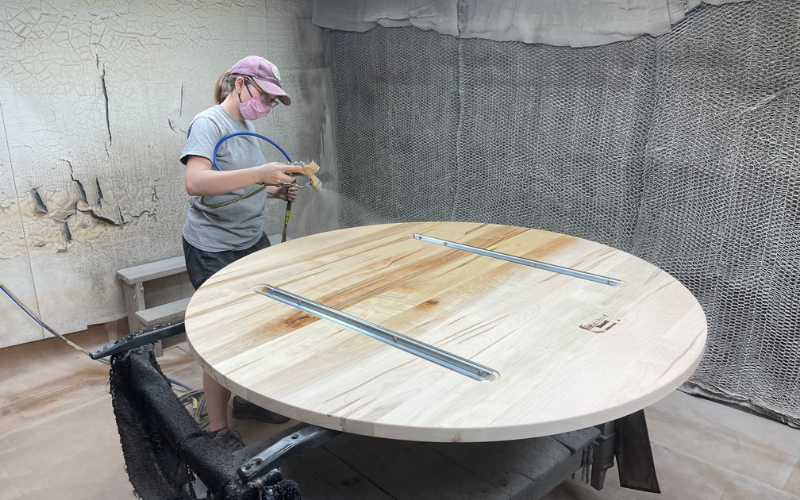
(254, 191)
(216, 148)
(43, 325)
(72, 344)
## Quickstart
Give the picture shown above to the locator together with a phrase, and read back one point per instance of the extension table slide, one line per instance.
(441, 332)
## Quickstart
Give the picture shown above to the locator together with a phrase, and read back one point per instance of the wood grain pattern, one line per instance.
(525, 323)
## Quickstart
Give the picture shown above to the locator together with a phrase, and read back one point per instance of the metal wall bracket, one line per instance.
(394, 339)
(568, 271)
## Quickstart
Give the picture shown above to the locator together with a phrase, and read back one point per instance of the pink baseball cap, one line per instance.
(265, 74)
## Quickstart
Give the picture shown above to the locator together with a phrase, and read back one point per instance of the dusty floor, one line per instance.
(58, 437)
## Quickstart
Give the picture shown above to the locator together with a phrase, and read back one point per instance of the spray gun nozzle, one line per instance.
(305, 170)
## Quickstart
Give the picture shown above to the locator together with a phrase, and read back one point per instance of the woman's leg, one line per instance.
(201, 265)
(217, 397)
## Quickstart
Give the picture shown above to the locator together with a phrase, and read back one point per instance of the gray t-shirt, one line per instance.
(231, 227)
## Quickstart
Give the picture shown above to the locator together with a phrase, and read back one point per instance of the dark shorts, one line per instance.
(201, 265)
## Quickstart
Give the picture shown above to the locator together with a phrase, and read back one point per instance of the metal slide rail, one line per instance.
(394, 339)
(568, 271)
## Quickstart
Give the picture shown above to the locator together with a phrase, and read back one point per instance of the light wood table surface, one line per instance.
(552, 375)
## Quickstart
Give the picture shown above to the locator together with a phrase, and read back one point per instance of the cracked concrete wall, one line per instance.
(95, 99)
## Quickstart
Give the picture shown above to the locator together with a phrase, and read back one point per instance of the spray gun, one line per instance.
(304, 170)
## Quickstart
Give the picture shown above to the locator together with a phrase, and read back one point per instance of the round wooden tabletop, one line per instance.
(566, 352)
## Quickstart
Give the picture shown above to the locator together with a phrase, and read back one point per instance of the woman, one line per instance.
(226, 211)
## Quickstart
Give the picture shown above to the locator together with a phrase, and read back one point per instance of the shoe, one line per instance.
(246, 411)
(229, 440)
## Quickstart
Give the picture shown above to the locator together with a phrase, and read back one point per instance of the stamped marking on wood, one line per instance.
(601, 324)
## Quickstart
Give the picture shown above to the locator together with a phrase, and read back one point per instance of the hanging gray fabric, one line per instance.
(575, 23)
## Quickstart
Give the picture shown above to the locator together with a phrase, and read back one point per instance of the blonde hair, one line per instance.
(226, 83)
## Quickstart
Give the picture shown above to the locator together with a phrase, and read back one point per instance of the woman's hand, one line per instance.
(274, 173)
(286, 193)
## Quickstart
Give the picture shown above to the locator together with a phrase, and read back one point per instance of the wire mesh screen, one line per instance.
(554, 138)
(681, 149)
(398, 92)
(720, 208)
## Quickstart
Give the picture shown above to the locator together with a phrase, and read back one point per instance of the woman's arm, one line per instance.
(202, 179)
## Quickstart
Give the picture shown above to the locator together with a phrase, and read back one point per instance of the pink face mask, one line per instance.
(254, 108)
